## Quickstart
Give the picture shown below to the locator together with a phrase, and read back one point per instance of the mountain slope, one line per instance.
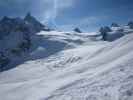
(95, 70)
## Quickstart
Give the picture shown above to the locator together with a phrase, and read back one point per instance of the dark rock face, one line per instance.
(3, 61)
(110, 35)
(114, 25)
(130, 24)
(113, 37)
(8, 25)
(104, 32)
(77, 30)
(15, 37)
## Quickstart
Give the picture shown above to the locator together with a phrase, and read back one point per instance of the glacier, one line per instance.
(82, 67)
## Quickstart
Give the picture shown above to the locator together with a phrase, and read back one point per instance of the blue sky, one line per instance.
(89, 15)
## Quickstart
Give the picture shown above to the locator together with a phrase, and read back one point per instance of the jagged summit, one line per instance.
(28, 15)
(29, 24)
(33, 22)
(114, 25)
(5, 18)
(30, 18)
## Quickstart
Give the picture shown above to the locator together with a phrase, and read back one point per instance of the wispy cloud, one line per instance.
(56, 7)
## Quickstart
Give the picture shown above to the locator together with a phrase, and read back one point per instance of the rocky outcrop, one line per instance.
(15, 37)
(77, 30)
(130, 24)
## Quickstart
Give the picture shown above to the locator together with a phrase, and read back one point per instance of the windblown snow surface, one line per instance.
(91, 70)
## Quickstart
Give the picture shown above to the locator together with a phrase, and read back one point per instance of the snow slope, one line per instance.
(91, 70)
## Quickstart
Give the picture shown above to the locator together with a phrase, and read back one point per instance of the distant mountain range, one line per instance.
(19, 39)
